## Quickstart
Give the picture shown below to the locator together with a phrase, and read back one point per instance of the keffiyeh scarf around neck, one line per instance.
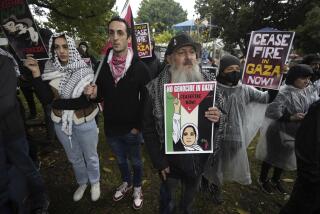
(75, 76)
(16, 66)
(119, 64)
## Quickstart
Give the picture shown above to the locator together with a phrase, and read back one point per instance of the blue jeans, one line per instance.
(82, 150)
(126, 147)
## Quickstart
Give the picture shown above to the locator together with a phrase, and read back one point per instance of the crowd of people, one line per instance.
(132, 92)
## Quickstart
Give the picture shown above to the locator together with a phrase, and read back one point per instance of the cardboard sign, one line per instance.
(142, 33)
(19, 27)
(187, 130)
(266, 57)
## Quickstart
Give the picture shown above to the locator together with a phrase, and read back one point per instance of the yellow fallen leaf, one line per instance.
(288, 180)
(144, 182)
(241, 211)
(112, 158)
(106, 169)
(251, 148)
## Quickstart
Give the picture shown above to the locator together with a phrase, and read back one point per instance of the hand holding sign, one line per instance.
(32, 65)
(213, 114)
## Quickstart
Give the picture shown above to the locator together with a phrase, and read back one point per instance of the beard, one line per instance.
(180, 75)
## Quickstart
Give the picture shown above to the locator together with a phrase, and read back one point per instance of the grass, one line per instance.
(60, 180)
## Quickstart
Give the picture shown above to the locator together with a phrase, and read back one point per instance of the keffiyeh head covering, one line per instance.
(75, 76)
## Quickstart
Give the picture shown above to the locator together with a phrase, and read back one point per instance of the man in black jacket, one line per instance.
(305, 196)
(173, 168)
(120, 84)
(13, 143)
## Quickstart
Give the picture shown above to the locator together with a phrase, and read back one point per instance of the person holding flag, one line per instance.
(120, 84)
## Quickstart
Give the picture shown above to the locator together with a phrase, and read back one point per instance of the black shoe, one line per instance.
(43, 209)
(216, 193)
(266, 186)
(278, 186)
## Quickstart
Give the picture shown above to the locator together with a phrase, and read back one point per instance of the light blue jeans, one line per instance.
(82, 150)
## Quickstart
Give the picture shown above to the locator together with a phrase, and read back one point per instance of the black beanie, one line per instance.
(178, 42)
(226, 61)
(311, 58)
(298, 71)
(83, 43)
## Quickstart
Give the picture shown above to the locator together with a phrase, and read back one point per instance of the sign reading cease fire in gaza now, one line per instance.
(267, 54)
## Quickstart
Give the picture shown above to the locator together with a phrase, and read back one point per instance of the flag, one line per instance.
(126, 14)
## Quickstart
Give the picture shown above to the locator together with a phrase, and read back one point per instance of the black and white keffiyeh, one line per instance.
(74, 77)
(16, 66)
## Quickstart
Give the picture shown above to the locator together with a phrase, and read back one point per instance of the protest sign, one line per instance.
(187, 130)
(266, 57)
(143, 40)
(19, 27)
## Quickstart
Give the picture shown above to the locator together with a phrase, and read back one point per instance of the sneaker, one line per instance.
(79, 192)
(121, 191)
(137, 198)
(95, 191)
(266, 186)
(278, 186)
(216, 193)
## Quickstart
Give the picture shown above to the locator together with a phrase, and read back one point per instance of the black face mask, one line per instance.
(230, 78)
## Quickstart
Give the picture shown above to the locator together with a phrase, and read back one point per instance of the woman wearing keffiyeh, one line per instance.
(72, 113)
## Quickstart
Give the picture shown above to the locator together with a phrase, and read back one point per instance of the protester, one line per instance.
(313, 60)
(187, 168)
(84, 52)
(13, 143)
(153, 62)
(72, 113)
(120, 84)
(232, 162)
(305, 196)
(283, 118)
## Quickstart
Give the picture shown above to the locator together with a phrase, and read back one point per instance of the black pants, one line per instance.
(265, 167)
(168, 198)
(305, 198)
(4, 196)
(28, 93)
(17, 153)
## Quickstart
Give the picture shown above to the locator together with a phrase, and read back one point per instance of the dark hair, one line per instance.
(308, 59)
(52, 45)
(190, 126)
(298, 71)
(118, 19)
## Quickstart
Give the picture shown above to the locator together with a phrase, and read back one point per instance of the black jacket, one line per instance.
(123, 102)
(307, 145)
(153, 64)
(11, 124)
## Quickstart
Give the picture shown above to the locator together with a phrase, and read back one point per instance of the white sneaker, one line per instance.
(79, 192)
(95, 191)
(121, 191)
(137, 198)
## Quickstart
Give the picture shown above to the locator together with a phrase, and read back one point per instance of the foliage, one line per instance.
(163, 37)
(161, 14)
(238, 18)
(308, 34)
(85, 19)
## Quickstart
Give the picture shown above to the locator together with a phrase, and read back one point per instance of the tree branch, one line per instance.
(46, 4)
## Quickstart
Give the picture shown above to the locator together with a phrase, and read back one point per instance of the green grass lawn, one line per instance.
(60, 180)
